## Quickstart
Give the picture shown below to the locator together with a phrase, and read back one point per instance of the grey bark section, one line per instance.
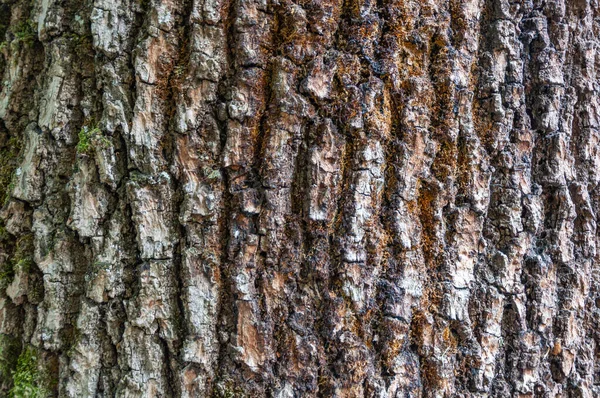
(300, 198)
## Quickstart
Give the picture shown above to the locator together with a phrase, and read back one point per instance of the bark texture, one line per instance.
(299, 198)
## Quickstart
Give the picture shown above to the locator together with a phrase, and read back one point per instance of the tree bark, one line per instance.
(313, 198)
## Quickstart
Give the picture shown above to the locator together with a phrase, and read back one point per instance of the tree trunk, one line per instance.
(252, 198)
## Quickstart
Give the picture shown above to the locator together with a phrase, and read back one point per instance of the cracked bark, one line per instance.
(307, 198)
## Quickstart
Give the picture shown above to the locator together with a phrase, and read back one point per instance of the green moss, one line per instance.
(9, 352)
(91, 137)
(8, 161)
(212, 174)
(23, 256)
(25, 32)
(22, 259)
(179, 70)
(7, 191)
(85, 143)
(6, 274)
(24, 264)
(103, 142)
(28, 382)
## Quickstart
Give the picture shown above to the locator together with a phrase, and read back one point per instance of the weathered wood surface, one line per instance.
(281, 198)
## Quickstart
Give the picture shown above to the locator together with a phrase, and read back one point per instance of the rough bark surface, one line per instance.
(299, 198)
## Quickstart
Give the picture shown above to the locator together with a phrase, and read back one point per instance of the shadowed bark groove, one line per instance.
(299, 198)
